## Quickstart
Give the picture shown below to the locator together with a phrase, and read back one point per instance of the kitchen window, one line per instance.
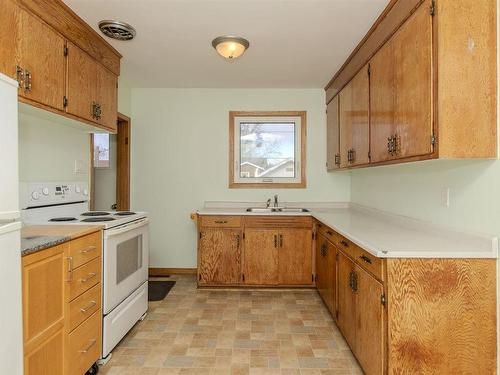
(267, 149)
(101, 150)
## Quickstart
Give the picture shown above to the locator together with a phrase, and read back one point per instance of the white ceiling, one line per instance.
(293, 43)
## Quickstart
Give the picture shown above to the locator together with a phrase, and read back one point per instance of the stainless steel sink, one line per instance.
(271, 210)
(291, 210)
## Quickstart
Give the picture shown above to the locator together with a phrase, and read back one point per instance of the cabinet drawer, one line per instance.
(329, 233)
(84, 306)
(85, 345)
(85, 248)
(368, 261)
(278, 221)
(83, 278)
(221, 221)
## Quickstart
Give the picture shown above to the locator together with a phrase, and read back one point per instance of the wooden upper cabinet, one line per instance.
(413, 85)
(219, 256)
(355, 121)
(40, 53)
(82, 83)
(9, 17)
(295, 256)
(260, 261)
(333, 135)
(369, 347)
(107, 85)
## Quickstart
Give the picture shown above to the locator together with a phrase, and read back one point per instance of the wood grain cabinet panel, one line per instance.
(107, 86)
(295, 257)
(82, 83)
(326, 274)
(354, 121)
(261, 259)
(219, 257)
(48, 357)
(413, 85)
(9, 19)
(40, 52)
(333, 135)
(346, 318)
(370, 324)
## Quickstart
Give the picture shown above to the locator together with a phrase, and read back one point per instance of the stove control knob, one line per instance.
(78, 189)
(35, 195)
(45, 191)
(85, 192)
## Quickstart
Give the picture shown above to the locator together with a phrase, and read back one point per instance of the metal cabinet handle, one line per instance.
(220, 221)
(365, 259)
(90, 276)
(323, 249)
(344, 243)
(329, 232)
(237, 241)
(275, 240)
(88, 249)
(281, 240)
(70, 269)
(89, 346)
(337, 159)
(85, 309)
(353, 281)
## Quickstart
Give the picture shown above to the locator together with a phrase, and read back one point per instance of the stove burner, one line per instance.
(97, 219)
(96, 213)
(125, 213)
(63, 219)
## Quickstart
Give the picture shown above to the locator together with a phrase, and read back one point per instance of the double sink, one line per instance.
(269, 210)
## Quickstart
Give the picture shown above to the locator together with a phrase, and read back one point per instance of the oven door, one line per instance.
(125, 261)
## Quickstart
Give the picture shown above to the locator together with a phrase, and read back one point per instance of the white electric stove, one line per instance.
(125, 247)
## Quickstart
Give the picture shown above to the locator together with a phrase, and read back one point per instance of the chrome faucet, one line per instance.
(268, 203)
(276, 200)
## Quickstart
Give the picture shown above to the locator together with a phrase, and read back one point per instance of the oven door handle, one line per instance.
(126, 227)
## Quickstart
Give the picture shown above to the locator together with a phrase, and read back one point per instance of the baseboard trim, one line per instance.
(171, 271)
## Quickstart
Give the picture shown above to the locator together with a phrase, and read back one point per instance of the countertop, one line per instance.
(39, 237)
(386, 235)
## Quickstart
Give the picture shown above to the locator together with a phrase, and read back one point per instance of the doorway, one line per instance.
(110, 168)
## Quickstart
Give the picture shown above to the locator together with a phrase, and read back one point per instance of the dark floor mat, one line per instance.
(158, 290)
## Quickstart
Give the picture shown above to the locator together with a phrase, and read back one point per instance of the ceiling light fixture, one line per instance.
(117, 30)
(230, 47)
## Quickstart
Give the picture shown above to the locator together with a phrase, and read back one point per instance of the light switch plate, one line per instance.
(80, 167)
(445, 197)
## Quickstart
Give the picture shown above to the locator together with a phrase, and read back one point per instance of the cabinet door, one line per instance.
(354, 121)
(382, 101)
(332, 134)
(220, 254)
(9, 17)
(369, 348)
(295, 257)
(325, 272)
(40, 52)
(82, 83)
(260, 257)
(413, 81)
(346, 307)
(43, 281)
(107, 97)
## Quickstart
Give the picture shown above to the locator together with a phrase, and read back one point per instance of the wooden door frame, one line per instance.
(122, 165)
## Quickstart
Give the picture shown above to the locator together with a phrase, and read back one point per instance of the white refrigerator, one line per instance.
(11, 339)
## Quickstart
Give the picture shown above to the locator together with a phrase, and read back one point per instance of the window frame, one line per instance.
(300, 150)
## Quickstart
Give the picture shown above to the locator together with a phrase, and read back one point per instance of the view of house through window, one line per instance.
(267, 148)
(101, 150)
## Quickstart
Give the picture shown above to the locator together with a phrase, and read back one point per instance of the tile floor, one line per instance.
(254, 332)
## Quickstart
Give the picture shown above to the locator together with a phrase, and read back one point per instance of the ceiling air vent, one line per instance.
(117, 30)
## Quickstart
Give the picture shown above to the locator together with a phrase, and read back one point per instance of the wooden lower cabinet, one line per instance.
(413, 316)
(219, 256)
(326, 272)
(61, 314)
(265, 251)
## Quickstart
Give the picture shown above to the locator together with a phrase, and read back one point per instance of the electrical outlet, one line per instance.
(445, 197)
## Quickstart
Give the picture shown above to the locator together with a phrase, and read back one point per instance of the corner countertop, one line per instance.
(386, 235)
(35, 238)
